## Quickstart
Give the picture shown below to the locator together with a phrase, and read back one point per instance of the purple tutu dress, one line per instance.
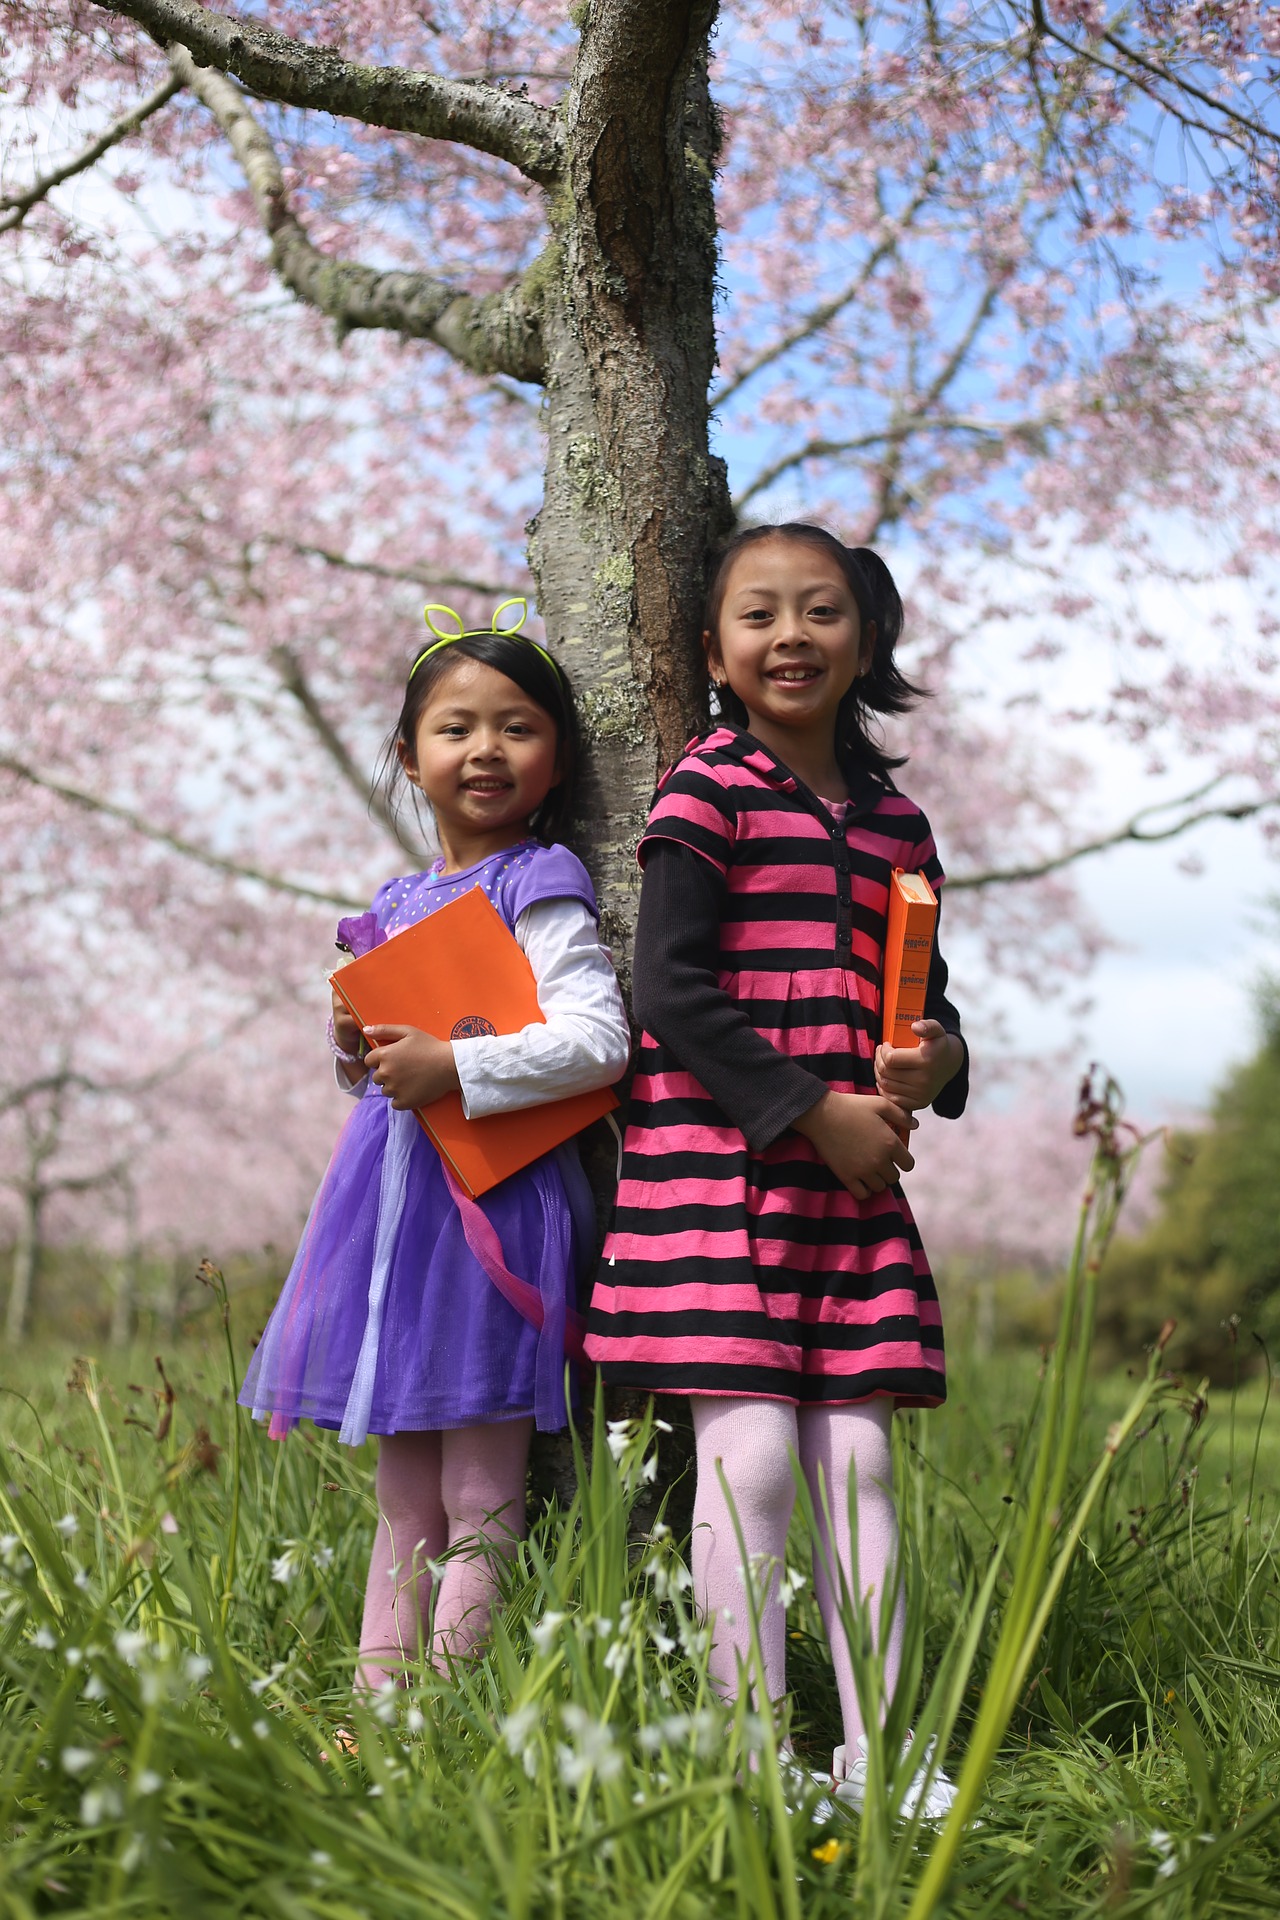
(387, 1322)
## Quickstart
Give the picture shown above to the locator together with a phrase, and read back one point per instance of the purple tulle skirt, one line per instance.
(441, 1347)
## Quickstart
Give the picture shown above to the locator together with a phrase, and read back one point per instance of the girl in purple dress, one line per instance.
(389, 1322)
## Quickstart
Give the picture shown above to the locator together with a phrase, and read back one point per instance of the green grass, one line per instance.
(178, 1598)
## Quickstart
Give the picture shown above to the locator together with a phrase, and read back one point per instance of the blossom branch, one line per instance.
(1043, 29)
(236, 869)
(411, 576)
(894, 436)
(294, 680)
(275, 67)
(829, 310)
(1135, 830)
(498, 333)
(15, 207)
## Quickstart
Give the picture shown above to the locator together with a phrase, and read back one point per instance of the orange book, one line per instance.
(460, 974)
(908, 949)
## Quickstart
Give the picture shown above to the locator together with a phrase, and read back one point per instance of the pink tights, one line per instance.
(754, 1440)
(438, 1491)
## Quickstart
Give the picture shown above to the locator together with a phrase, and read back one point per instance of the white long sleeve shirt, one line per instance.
(583, 1040)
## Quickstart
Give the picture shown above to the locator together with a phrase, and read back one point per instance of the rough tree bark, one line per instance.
(26, 1264)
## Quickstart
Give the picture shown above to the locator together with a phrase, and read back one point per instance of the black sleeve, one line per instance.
(951, 1102)
(677, 999)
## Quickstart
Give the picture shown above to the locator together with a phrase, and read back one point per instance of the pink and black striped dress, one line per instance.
(738, 1263)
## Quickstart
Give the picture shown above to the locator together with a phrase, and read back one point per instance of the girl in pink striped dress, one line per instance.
(764, 1260)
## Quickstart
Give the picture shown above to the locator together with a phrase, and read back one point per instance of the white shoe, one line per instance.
(799, 1787)
(931, 1803)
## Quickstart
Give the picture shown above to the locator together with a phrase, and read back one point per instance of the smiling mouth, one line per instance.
(483, 787)
(792, 676)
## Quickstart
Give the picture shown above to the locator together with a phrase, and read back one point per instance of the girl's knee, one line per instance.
(482, 1484)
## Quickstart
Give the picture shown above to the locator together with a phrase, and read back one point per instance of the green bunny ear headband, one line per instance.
(509, 631)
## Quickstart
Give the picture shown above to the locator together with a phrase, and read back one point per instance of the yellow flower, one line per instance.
(829, 1851)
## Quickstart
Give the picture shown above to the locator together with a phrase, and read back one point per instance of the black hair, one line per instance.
(884, 688)
(536, 675)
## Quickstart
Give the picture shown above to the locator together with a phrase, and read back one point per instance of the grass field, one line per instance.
(1094, 1622)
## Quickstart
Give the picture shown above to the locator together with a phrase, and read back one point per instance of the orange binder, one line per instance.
(908, 949)
(460, 974)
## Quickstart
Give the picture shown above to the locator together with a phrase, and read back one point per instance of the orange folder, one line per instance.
(459, 974)
(908, 949)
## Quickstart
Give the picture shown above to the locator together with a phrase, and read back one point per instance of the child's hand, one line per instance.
(413, 1066)
(346, 1028)
(858, 1137)
(915, 1076)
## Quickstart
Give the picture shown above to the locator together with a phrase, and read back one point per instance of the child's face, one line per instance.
(790, 642)
(484, 753)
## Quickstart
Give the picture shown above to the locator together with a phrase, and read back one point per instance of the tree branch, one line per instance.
(822, 316)
(270, 64)
(499, 333)
(237, 870)
(1042, 29)
(294, 680)
(412, 576)
(995, 431)
(1133, 830)
(15, 207)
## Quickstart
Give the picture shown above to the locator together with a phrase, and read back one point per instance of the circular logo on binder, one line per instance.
(472, 1026)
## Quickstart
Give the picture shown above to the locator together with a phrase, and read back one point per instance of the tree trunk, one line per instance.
(634, 500)
(26, 1267)
(124, 1296)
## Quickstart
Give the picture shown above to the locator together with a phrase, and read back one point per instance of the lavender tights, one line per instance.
(754, 1441)
(438, 1491)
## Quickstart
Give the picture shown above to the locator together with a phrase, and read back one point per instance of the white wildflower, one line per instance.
(414, 1720)
(148, 1781)
(80, 1579)
(130, 1645)
(545, 1630)
(168, 1524)
(195, 1668)
(77, 1759)
(517, 1735)
(618, 1438)
(73, 1655)
(286, 1566)
(649, 1469)
(664, 1426)
(319, 1858)
(1164, 1844)
(603, 1627)
(100, 1804)
(135, 1852)
(594, 1750)
(323, 1557)
(790, 1585)
(704, 1732)
(8, 1545)
(68, 1526)
(615, 1658)
(262, 1728)
(662, 1641)
(153, 1687)
(94, 1689)
(258, 1687)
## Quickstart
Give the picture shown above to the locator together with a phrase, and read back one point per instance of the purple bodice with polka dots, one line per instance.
(514, 879)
